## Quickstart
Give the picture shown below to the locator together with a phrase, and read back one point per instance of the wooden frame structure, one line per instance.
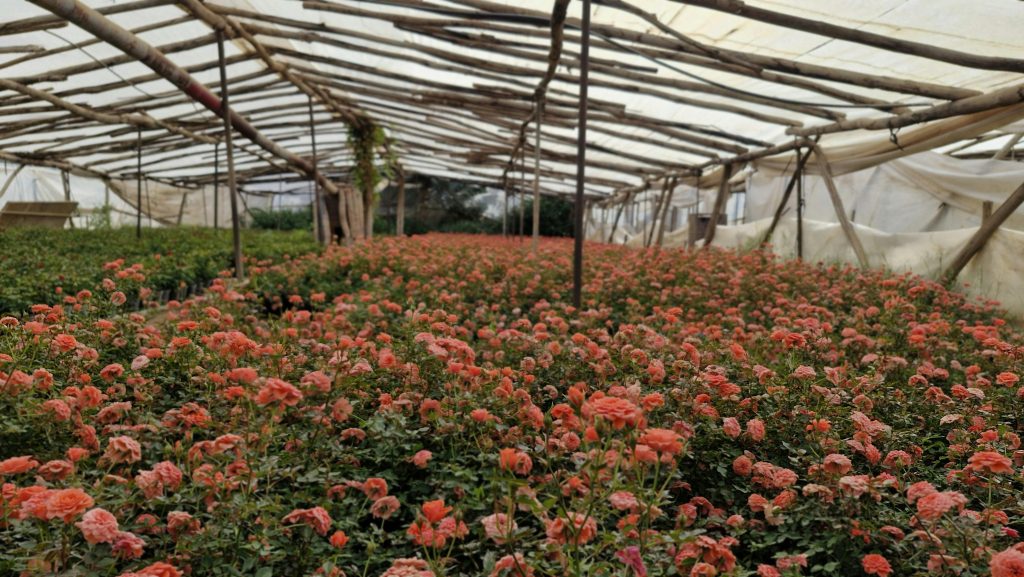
(295, 72)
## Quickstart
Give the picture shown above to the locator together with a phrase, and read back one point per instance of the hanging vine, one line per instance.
(364, 138)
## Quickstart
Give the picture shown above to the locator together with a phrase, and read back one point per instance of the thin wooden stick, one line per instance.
(720, 200)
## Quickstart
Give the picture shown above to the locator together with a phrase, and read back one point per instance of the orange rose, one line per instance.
(66, 504)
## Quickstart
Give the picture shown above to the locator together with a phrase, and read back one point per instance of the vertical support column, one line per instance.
(138, 192)
(720, 201)
(988, 227)
(317, 220)
(800, 216)
(618, 215)
(581, 161)
(837, 204)
(216, 185)
(664, 210)
(536, 177)
(400, 209)
(986, 210)
(797, 174)
(522, 195)
(504, 214)
(236, 233)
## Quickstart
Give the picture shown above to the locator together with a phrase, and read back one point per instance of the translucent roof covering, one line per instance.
(674, 85)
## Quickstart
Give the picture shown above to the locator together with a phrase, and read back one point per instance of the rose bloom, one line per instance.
(408, 568)
(664, 441)
(623, 500)
(160, 569)
(66, 504)
(731, 427)
(317, 518)
(837, 464)
(434, 511)
(742, 466)
(875, 564)
(421, 458)
(1008, 563)
(499, 527)
(934, 505)
(278, 391)
(338, 539)
(98, 526)
(16, 465)
(123, 450)
(583, 529)
(511, 459)
(384, 507)
(375, 488)
(755, 428)
(56, 470)
(127, 545)
(991, 462)
(617, 411)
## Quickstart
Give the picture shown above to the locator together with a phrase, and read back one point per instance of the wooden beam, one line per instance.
(883, 41)
(981, 103)
(985, 232)
(720, 200)
(797, 174)
(837, 204)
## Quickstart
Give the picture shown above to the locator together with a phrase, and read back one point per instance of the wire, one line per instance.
(100, 62)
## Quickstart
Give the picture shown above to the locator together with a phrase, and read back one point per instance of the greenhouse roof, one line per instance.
(677, 87)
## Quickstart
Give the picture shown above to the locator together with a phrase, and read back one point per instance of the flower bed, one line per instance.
(432, 406)
(36, 265)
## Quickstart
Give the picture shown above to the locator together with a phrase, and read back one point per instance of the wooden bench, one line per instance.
(36, 214)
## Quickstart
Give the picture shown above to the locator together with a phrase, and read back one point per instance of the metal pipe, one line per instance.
(236, 232)
(581, 160)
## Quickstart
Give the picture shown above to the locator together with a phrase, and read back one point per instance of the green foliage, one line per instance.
(364, 139)
(555, 216)
(301, 219)
(40, 265)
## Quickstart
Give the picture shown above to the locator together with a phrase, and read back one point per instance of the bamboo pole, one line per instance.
(837, 203)
(657, 211)
(1008, 147)
(581, 161)
(618, 215)
(236, 233)
(720, 200)
(10, 179)
(800, 215)
(985, 231)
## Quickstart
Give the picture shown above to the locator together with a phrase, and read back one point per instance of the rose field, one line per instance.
(434, 406)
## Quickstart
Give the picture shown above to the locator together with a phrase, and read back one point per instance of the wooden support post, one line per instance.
(138, 193)
(618, 215)
(181, 209)
(216, 186)
(536, 178)
(988, 227)
(236, 232)
(318, 226)
(797, 174)
(800, 216)
(720, 200)
(400, 208)
(522, 194)
(1008, 147)
(581, 160)
(656, 212)
(504, 214)
(664, 210)
(10, 179)
(837, 203)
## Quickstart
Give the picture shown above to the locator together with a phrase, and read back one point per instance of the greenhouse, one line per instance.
(392, 288)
